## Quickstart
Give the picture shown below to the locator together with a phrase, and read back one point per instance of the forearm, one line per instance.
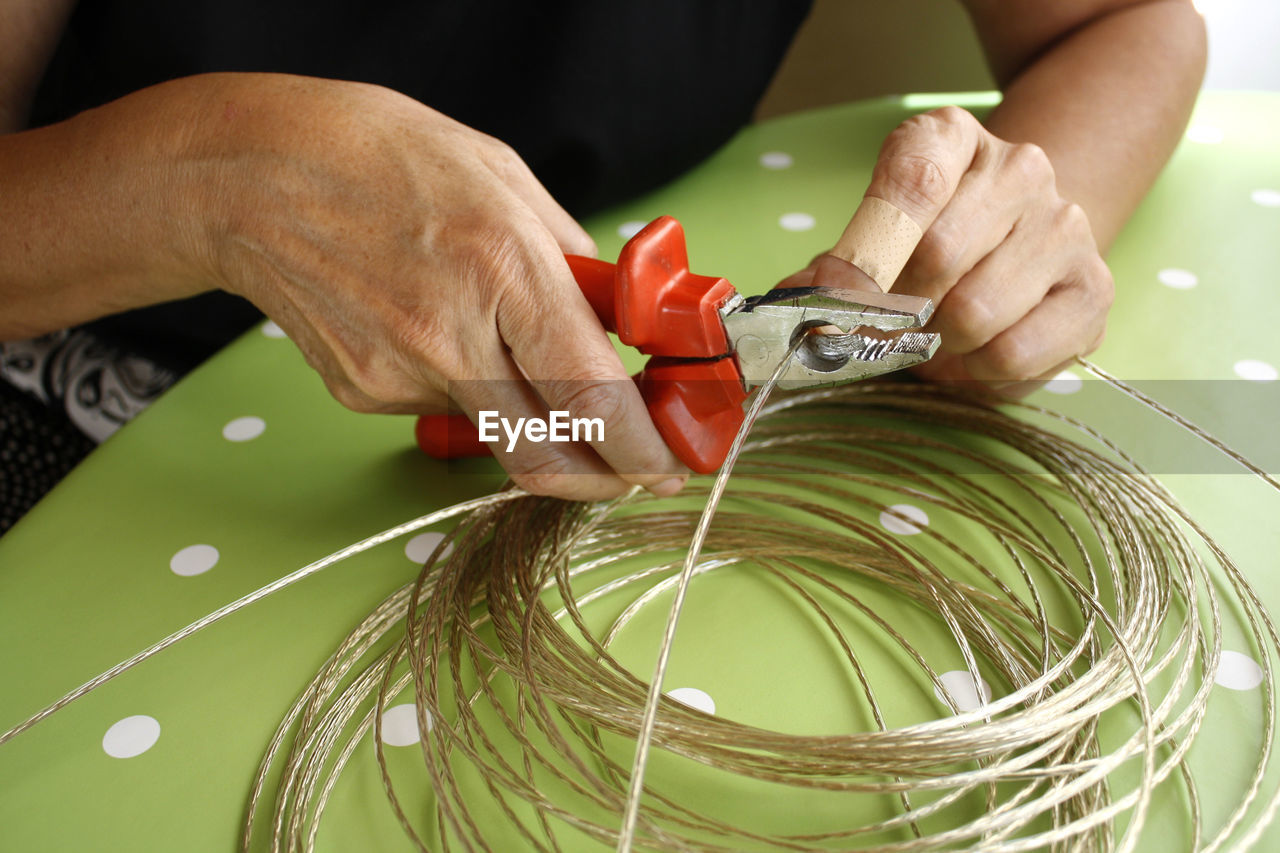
(96, 216)
(1108, 103)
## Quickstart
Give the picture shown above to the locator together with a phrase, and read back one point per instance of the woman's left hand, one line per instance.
(1018, 285)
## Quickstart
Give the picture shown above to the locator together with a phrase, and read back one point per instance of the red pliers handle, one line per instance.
(709, 344)
(650, 299)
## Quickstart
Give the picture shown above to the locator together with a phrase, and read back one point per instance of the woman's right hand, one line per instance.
(411, 258)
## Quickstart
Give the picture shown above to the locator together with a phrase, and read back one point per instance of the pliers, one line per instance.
(710, 345)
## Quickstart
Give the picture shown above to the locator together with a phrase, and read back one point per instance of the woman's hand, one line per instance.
(1013, 269)
(412, 259)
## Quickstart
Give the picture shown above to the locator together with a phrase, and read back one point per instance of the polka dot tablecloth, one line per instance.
(247, 470)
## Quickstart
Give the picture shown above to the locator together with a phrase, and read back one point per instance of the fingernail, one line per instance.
(667, 488)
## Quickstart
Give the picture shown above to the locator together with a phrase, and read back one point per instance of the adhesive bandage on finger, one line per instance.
(878, 240)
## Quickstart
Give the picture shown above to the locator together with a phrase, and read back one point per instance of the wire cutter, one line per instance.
(710, 346)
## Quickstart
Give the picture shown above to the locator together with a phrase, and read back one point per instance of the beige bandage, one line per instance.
(879, 240)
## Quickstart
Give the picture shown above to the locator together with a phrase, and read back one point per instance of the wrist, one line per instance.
(103, 214)
(153, 175)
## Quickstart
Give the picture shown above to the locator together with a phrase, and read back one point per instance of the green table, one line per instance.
(247, 470)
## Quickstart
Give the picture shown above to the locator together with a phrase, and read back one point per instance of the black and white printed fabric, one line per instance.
(98, 386)
(60, 395)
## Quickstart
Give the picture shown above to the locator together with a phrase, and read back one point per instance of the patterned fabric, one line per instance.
(60, 395)
(99, 387)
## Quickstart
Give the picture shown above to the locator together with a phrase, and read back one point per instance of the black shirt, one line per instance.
(602, 98)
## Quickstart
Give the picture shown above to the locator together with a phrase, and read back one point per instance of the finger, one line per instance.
(920, 167)
(950, 368)
(1017, 390)
(564, 470)
(831, 270)
(1003, 287)
(803, 277)
(799, 278)
(923, 160)
(1069, 321)
(512, 170)
(943, 367)
(1006, 185)
(556, 338)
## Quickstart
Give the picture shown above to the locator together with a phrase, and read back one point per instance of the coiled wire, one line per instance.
(1104, 609)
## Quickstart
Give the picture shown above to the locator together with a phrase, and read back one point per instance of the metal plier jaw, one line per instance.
(710, 346)
(763, 329)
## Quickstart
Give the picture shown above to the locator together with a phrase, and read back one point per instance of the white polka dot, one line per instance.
(244, 429)
(776, 160)
(1266, 198)
(1065, 382)
(419, 548)
(271, 330)
(697, 699)
(1206, 134)
(959, 685)
(893, 524)
(1237, 672)
(1258, 371)
(131, 736)
(627, 230)
(796, 221)
(400, 725)
(194, 560)
(1177, 279)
